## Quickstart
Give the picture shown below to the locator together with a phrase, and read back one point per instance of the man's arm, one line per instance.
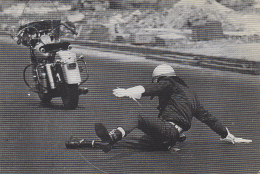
(211, 121)
(156, 89)
(136, 92)
(205, 117)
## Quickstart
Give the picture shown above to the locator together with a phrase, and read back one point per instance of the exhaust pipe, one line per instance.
(49, 72)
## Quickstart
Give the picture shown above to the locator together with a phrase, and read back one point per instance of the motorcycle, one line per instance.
(56, 70)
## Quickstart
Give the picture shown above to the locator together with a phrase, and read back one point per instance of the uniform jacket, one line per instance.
(179, 104)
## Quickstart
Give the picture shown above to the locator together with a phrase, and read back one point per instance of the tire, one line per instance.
(70, 96)
(45, 97)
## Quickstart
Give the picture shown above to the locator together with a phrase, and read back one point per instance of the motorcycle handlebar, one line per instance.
(64, 24)
(21, 32)
(70, 28)
(19, 36)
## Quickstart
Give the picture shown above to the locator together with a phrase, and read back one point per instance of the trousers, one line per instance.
(162, 134)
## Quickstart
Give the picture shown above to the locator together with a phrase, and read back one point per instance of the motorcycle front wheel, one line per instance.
(70, 95)
(44, 94)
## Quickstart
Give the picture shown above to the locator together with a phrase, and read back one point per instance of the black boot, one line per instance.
(109, 139)
(182, 137)
(75, 142)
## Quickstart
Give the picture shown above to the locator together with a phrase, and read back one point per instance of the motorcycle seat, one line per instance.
(52, 47)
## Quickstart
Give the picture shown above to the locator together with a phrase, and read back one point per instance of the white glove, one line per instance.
(232, 139)
(134, 92)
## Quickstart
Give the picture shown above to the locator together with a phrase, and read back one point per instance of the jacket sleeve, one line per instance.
(205, 117)
(156, 89)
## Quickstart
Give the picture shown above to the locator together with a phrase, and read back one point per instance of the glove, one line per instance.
(134, 92)
(232, 139)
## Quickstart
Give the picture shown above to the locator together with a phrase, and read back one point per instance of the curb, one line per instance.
(220, 63)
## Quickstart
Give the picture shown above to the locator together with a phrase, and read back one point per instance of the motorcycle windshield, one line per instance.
(41, 14)
(39, 10)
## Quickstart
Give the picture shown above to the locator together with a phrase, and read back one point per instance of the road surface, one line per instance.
(32, 136)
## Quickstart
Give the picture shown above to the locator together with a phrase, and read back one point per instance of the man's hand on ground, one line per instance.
(230, 138)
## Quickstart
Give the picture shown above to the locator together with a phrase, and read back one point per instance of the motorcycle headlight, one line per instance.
(46, 39)
(42, 50)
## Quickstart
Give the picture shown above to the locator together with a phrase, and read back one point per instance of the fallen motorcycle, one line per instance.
(54, 67)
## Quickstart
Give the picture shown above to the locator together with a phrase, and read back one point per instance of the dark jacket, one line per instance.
(179, 104)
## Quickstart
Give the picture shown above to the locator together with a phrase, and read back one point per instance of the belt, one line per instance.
(177, 127)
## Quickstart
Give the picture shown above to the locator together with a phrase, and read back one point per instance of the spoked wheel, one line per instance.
(70, 95)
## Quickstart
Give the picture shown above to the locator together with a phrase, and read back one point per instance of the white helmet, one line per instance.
(163, 70)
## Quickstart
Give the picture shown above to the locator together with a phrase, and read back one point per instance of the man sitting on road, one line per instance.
(178, 104)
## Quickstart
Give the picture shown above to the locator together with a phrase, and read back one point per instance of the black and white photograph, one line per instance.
(130, 86)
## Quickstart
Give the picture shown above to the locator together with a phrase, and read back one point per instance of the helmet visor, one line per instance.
(155, 79)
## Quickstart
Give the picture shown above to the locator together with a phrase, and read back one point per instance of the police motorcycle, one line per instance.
(55, 69)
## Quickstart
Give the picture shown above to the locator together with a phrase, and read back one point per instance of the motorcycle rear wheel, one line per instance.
(45, 97)
(70, 96)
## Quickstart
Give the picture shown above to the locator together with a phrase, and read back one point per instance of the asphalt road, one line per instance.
(32, 135)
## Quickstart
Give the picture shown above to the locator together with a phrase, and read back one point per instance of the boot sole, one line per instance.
(102, 133)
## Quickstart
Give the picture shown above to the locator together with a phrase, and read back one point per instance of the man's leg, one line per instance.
(161, 132)
(115, 135)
